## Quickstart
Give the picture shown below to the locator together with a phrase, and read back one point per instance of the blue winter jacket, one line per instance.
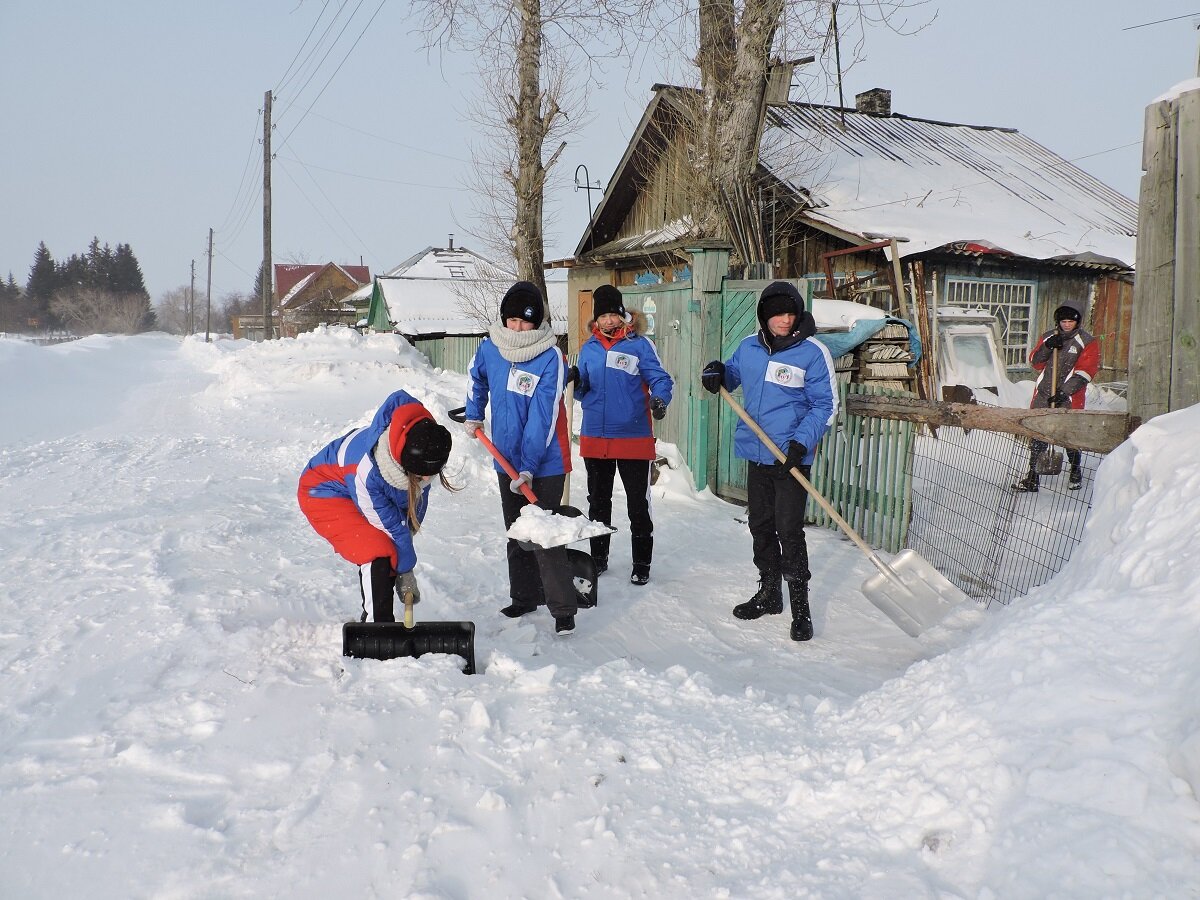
(617, 378)
(790, 393)
(529, 425)
(348, 469)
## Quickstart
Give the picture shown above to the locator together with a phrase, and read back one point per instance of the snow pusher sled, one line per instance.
(392, 640)
(910, 591)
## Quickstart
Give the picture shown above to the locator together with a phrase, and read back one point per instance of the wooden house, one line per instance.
(442, 301)
(311, 295)
(966, 216)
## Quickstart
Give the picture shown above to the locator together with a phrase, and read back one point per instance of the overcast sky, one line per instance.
(138, 121)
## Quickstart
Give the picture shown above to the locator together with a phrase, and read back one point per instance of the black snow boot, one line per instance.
(802, 629)
(1075, 482)
(1028, 484)
(768, 600)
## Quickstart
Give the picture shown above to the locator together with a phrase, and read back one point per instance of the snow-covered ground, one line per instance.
(177, 721)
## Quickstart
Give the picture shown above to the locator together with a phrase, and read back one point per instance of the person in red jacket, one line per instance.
(1078, 356)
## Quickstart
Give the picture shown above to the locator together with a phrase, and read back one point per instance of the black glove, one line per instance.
(658, 407)
(713, 376)
(795, 455)
(1060, 398)
(1054, 342)
(573, 375)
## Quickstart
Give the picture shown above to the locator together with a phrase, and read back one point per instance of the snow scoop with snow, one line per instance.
(537, 526)
(391, 640)
(910, 592)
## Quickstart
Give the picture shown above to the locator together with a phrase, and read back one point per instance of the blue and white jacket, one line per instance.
(346, 468)
(791, 393)
(529, 426)
(617, 377)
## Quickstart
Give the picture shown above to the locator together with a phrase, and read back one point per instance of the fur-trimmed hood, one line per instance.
(636, 324)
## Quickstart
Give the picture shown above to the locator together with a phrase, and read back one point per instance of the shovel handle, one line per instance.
(506, 466)
(879, 564)
(408, 609)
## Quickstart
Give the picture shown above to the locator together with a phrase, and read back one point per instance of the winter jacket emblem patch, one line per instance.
(523, 383)
(622, 362)
(784, 375)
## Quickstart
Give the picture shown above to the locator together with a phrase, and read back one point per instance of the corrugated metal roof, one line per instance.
(937, 184)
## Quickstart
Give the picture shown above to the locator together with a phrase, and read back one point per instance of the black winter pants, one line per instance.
(538, 575)
(776, 511)
(1036, 448)
(635, 477)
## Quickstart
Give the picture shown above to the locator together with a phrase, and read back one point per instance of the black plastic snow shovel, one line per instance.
(391, 640)
(910, 591)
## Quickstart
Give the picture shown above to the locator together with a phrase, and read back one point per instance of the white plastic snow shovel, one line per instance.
(910, 591)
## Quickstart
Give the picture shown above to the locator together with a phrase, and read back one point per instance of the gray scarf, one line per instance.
(391, 470)
(521, 346)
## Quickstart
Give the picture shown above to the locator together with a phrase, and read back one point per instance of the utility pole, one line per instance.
(191, 306)
(266, 261)
(208, 293)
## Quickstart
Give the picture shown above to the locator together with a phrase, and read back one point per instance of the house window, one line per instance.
(457, 271)
(1011, 302)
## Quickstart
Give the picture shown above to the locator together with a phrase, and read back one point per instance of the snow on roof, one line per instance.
(1189, 84)
(435, 291)
(933, 184)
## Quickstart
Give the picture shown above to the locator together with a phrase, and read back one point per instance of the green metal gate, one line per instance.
(738, 319)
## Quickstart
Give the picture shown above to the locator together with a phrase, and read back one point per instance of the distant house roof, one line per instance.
(287, 275)
(448, 291)
(931, 185)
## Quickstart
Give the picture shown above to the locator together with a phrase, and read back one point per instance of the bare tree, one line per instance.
(92, 310)
(172, 310)
(740, 45)
(531, 60)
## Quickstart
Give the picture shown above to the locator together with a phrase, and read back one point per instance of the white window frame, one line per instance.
(1011, 301)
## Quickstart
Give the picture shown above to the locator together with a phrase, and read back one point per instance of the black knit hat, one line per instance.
(776, 298)
(607, 299)
(426, 448)
(1064, 313)
(523, 301)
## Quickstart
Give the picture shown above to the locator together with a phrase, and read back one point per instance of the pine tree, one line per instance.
(40, 289)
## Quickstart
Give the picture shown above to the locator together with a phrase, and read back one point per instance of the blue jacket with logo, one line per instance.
(529, 426)
(791, 394)
(617, 378)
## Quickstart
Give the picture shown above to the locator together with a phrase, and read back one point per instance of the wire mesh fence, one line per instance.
(994, 542)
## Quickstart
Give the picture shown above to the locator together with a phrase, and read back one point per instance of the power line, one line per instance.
(324, 6)
(378, 9)
(436, 187)
(334, 207)
(1160, 21)
(245, 172)
(387, 140)
(313, 74)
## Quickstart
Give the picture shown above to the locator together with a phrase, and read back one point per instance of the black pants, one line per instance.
(776, 511)
(635, 477)
(1038, 447)
(377, 583)
(540, 575)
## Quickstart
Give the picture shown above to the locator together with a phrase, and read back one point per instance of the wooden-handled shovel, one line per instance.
(910, 592)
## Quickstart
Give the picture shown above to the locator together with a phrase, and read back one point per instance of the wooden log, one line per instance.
(1099, 432)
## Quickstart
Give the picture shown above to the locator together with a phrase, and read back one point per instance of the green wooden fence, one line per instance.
(861, 465)
(863, 468)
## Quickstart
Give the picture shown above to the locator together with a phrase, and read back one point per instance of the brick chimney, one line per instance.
(875, 102)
